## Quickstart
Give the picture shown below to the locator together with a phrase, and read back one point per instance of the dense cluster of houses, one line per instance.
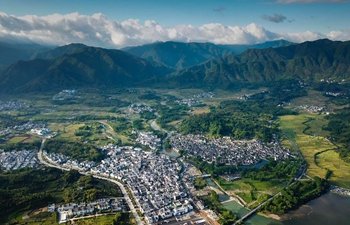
(81, 209)
(18, 159)
(227, 151)
(205, 95)
(313, 108)
(189, 102)
(12, 105)
(65, 94)
(22, 127)
(140, 107)
(66, 162)
(148, 139)
(152, 179)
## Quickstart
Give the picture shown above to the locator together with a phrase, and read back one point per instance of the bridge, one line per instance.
(255, 210)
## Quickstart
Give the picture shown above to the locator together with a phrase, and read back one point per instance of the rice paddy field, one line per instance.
(305, 130)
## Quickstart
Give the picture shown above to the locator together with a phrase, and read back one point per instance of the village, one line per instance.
(18, 159)
(72, 211)
(65, 94)
(22, 127)
(153, 179)
(313, 108)
(12, 105)
(227, 151)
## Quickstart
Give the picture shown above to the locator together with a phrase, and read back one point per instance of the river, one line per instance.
(327, 209)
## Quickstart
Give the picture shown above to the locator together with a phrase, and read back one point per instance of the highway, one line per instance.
(121, 186)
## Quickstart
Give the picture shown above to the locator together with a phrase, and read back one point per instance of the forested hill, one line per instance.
(86, 67)
(79, 66)
(309, 61)
(178, 55)
(11, 52)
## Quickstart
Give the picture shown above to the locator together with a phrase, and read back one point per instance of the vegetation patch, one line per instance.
(17, 139)
(295, 195)
(28, 189)
(75, 150)
(309, 145)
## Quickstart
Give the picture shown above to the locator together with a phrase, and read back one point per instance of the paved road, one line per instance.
(122, 188)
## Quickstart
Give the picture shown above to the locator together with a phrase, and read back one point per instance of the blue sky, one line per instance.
(293, 19)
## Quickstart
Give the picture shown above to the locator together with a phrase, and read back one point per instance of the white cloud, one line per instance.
(98, 30)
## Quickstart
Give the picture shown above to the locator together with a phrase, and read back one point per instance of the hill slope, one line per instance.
(59, 51)
(11, 52)
(179, 55)
(87, 67)
(309, 61)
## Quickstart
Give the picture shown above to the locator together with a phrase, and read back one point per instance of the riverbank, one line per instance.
(339, 190)
(271, 216)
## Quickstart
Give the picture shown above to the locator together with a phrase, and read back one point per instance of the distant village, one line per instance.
(65, 94)
(227, 151)
(12, 105)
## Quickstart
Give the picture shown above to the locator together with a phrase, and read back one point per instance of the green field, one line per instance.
(251, 191)
(68, 131)
(17, 139)
(340, 170)
(306, 131)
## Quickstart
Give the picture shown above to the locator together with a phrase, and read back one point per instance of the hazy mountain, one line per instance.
(309, 61)
(59, 51)
(238, 49)
(11, 52)
(101, 68)
(180, 55)
(87, 67)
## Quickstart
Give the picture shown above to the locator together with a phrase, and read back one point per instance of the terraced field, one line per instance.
(319, 153)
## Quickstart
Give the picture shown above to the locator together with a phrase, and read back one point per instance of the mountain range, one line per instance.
(308, 62)
(172, 64)
(179, 55)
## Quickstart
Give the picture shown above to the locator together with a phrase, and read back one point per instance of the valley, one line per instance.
(92, 119)
(173, 132)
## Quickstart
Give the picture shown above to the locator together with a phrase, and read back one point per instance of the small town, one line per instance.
(153, 179)
(227, 151)
(18, 159)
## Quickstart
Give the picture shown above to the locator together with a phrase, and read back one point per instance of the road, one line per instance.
(121, 186)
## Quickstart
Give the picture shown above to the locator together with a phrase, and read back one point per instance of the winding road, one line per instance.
(120, 185)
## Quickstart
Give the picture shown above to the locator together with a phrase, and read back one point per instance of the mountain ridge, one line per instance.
(103, 68)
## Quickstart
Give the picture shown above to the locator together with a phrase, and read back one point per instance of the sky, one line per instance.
(121, 23)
